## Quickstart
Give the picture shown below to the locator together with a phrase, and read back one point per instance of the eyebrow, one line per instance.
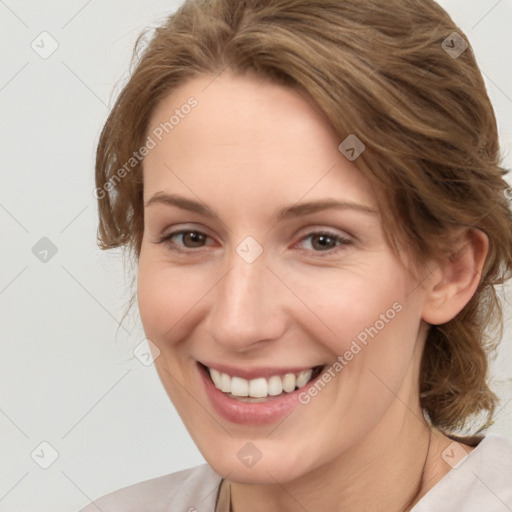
(180, 202)
(296, 210)
(323, 204)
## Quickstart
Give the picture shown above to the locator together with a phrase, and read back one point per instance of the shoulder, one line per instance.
(481, 481)
(191, 490)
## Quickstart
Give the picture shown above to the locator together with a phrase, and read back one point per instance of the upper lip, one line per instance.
(256, 371)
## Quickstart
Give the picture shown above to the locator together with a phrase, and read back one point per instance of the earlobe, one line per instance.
(456, 279)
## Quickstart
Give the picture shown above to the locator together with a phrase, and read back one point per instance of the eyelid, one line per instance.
(180, 227)
(168, 234)
(172, 234)
(322, 230)
(344, 240)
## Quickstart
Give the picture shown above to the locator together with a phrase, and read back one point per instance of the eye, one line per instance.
(322, 242)
(187, 239)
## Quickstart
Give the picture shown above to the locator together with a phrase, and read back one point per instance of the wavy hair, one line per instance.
(379, 69)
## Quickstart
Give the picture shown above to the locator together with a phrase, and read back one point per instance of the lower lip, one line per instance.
(247, 413)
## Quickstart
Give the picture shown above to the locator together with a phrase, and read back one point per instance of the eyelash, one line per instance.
(167, 240)
(339, 240)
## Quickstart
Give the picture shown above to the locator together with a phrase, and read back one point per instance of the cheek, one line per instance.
(375, 328)
(369, 323)
(169, 301)
(356, 305)
(166, 295)
(377, 334)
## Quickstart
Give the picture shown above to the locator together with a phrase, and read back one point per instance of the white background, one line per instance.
(68, 375)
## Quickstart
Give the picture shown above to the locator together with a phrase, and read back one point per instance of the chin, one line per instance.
(260, 461)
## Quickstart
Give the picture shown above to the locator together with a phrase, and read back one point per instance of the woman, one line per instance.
(314, 197)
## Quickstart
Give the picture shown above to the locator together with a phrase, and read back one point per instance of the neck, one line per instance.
(390, 469)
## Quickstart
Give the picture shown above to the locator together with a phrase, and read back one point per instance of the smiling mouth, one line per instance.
(261, 389)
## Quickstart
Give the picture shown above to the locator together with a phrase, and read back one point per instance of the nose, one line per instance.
(247, 307)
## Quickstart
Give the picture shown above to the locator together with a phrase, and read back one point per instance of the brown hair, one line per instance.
(377, 69)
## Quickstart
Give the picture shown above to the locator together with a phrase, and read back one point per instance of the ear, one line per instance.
(456, 278)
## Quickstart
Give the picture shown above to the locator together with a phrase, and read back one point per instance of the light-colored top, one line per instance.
(482, 482)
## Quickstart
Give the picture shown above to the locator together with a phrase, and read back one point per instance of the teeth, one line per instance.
(304, 377)
(275, 385)
(215, 375)
(239, 387)
(289, 382)
(225, 383)
(260, 387)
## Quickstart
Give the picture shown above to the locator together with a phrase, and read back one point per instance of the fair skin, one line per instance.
(249, 150)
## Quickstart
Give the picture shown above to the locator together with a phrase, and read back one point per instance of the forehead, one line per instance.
(247, 140)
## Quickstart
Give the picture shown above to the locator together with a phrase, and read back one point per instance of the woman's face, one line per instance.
(263, 256)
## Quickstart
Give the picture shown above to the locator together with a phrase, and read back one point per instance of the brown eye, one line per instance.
(185, 239)
(323, 242)
(192, 239)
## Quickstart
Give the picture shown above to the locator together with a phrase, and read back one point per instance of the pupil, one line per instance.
(193, 239)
